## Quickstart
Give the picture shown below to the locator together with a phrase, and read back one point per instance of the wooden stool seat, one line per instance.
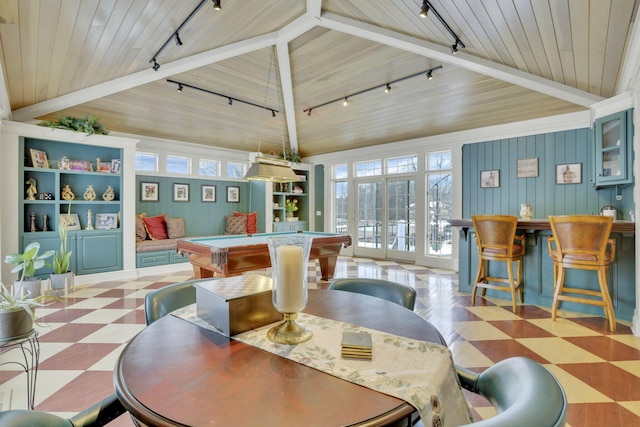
(496, 241)
(582, 242)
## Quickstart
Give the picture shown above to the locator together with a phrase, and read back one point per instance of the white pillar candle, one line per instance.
(289, 298)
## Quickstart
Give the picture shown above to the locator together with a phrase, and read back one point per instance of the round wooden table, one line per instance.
(175, 373)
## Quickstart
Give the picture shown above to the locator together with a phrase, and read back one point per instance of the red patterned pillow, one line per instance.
(236, 224)
(252, 220)
(156, 227)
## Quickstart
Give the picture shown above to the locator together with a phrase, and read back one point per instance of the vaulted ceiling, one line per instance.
(523, 59)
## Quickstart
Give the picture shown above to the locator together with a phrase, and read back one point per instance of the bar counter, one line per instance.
(538, 267)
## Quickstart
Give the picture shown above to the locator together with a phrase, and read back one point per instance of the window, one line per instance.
(236, 170)
(369, 168)
(176, 164)
(208, 167)
(340, 206)
(147, 162)
(401, 215)
(439, 203)
(340, 171)
(402, 165)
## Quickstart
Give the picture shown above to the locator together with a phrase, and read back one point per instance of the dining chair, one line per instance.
(582, 242)
(496, 240)
(385, 289)
(97, 415)
(523, 392)
(162, 301)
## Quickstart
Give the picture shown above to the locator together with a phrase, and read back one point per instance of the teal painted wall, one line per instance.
(546, 197)
(201, 218)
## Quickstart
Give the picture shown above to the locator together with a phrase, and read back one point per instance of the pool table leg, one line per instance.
(202, 273)
(328, 266)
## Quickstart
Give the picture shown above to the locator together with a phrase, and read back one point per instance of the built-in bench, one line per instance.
(150, 253)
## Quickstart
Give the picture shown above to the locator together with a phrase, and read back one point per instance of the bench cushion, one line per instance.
(156, 245)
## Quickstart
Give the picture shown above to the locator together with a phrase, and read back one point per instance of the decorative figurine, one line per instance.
(45, 222)
(67, 194)
(64, 164)
(89, 220)
(109, 195)
(32, 190)
(32, 222)
(90, 194)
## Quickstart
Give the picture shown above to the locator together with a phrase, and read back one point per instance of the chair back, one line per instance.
(495, 233)
(523, 392)
(162, 301)
(582, 237)
(385, 289)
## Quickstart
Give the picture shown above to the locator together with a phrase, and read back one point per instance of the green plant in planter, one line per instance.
(16, 300)
(27, 262)
(292, 156)
(62, 258)
(87, 124)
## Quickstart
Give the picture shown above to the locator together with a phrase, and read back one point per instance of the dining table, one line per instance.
(176, 373)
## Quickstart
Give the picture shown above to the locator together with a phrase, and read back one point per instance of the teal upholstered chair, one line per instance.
(97, 415)
(524, 393)
(162, 301)
(385, 289)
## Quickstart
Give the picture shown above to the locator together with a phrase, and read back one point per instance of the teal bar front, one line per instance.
(538, 268)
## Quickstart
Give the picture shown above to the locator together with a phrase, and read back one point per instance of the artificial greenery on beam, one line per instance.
(88, 124)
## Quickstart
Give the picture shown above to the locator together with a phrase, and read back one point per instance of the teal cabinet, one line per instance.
(614, 149)
(281, 227)
(297, 192)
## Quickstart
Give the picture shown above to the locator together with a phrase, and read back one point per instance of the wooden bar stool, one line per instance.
(496, 241)
(582, 242)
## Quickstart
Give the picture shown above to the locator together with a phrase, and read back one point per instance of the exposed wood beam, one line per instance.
(287, 92)
(145, 76)
(5, 105)
(461, 59)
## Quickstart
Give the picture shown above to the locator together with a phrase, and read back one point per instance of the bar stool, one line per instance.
(496, 241)
(582, 242)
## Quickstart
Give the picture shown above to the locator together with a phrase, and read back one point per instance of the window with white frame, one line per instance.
(439, 199)
(178, 164)
(339, 174)
(236, 170)
(208, 167)
(147, 162)
(369, 168)
(407, 164)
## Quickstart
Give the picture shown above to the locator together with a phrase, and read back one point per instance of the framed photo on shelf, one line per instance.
(180, 192)
(208, 193)
(39, 159)
(106, 221)
(527, 168)
(115, 166)
(490, 179)
(71, 221)
(149, 191)
(233, 194)
(569, 173)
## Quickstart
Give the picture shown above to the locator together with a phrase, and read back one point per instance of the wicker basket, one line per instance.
(14, 322)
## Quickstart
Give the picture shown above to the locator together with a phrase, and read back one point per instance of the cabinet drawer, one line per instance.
(177, 257)
(149, 259)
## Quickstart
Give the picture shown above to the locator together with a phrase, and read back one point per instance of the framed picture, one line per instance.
(208, 193)
(115, 166)
(149, 191)
(526, 168)
(71, 221)
(104, 167)
(180, 192)
(39, 159)
(80, 165)
(233, 194)
(569, 173)
(490, 179)
(105, 221)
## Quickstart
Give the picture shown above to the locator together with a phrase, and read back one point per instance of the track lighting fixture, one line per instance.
(156, 66)
(178, 41)
(230, 99)
(216, 4)
(387, 88)
(426, 7)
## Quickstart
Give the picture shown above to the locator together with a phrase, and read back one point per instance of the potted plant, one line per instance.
(28, 262)
(17, 312)
(290, 206)
(61, 274)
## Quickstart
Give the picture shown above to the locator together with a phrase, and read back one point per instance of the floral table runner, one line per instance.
(419, 372)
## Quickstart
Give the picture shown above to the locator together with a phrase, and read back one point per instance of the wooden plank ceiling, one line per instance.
(523, 59)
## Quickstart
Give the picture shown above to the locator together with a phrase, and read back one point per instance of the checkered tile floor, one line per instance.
(600, 371)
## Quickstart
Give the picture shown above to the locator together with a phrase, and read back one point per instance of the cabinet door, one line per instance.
(613, 143)
(98, 251)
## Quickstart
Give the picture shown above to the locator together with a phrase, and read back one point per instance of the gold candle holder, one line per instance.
(289, 331)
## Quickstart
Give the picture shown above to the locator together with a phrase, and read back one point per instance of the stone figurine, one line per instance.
(109, 195)
(90, 194)
(67, 194)
(31, 190)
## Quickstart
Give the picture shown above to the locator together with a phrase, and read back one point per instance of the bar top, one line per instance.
(543, 224)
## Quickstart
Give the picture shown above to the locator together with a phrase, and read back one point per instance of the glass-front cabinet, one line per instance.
(613, 145)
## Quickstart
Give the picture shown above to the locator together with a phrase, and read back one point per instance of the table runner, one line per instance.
(418, 372)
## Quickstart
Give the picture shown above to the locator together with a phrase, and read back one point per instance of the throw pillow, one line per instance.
(236, 224)
(141, 232)
(252, 221)
(175, 227)
(156, 227)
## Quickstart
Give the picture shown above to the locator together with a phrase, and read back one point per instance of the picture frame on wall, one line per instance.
(106, 221)
(39, 159)
(490, 179)
(180, 192)
(71, 221)
(569, 173)
(233, 194)
(149, 191)
(527, 168)
(208, 193)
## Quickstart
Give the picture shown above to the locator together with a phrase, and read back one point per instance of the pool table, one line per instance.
(231, 255)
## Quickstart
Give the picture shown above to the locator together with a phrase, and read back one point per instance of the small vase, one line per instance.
(289, 214)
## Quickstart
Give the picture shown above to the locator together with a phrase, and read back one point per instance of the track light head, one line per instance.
(425, 9)
(345, 102)
(388, 88)
(216, 4)
(454, 48)
(230, 101)
(156, 66)
(309, 111)
(430, 75)
(178, 41)
(273, 113)
(180, 87)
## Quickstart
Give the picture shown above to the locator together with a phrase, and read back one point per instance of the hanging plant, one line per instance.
(88, 124)
(292, 156)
